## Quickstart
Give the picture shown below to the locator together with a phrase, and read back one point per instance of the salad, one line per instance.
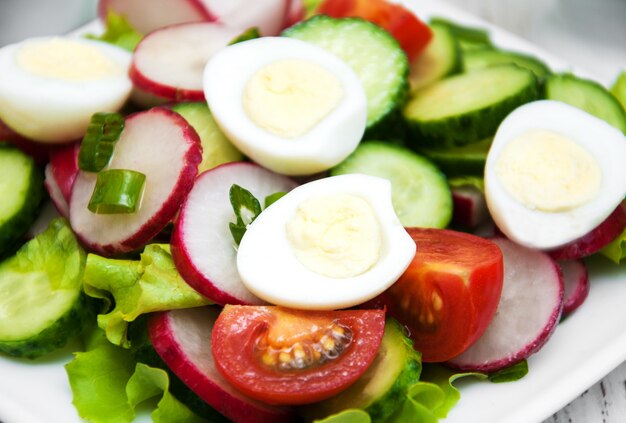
(150, 252)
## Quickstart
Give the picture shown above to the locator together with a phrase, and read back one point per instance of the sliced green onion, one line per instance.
(117, 191)
(99, 141)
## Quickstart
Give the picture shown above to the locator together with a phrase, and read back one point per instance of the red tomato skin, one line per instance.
(449, 293)
(412, 34)
(233, 343)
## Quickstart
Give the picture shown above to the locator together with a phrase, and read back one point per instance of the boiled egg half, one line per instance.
(553, 173)
(331, 243)
(51, 86)
(292, 107)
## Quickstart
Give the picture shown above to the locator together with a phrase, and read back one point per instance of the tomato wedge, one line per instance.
(412, 34)
(289, 357)
(449, 293)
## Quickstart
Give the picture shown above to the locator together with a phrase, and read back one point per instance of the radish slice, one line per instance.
(147, 15)
(38, 151)
(160, 144)
(470, 208)
(202, 245)
(267, 15)
(595, 240)
(295, 13)
(183, 340)
(64, 167)
(529, 309)
(169, 62)
(55, 192)
(576, 283)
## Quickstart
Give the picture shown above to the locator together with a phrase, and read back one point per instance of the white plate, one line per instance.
(585, 347)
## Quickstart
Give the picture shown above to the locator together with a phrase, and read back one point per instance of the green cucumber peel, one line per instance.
(118, 32)
(464, 33)
(117, 191)
(97, 146)
(130, 288)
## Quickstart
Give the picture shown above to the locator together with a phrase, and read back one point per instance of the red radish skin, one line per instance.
(64, 167)
(148, 15)
(169, 62)
(296, 12)
(55, 192)
(150, 139)
(183, 340)
(576, 284)
(39, 152)
(470, 208)
(595, 240)
(202, 246)
(267, 15)
(528, 312)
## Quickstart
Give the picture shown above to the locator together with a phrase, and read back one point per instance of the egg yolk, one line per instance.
(64, 59)
(335, 235)
(289, 97)
(546, 171)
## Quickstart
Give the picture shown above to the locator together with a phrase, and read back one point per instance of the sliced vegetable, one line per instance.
(470, 208)
(42, 303)
(168, 62)
(21, 191)
(587, 95)
(169, 140)
(285, 356)
(382, 67)
(412, 34)
(467, 108)
(117, 191)
(130, 288)
(216, 148)
(576, 284)
(463, 32)
(39, 152)
(64, 167)
(440, 58)
(99, 141)
(119, 32)
(202, 245)
(420, 192)
(618, 89)
(480, 59)
(462, 160)
(183, 340)
(248, 34)
(532, 294)
(449, 294)
(384, 385)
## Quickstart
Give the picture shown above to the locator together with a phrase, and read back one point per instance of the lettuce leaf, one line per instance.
(119, 33)
(108, 385)
(618, 89)
(460, 181)
(136, 287)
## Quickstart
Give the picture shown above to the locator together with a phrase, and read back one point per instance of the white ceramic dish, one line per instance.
(585, 347)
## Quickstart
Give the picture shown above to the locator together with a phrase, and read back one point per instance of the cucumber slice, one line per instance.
(441, 58)
(373, 54)
(468, 107)
(380, 390)
(42, 304)
(419, 191)
(21, 191)
(587, 95)
(480, 59)
(459, 161)
(216, 148)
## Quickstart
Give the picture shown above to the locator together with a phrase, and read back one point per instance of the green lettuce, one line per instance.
(426, 401)
(119, 33)
(136, 287)
(107, 386)
(618, 89)
(461, 181)
(616, 250)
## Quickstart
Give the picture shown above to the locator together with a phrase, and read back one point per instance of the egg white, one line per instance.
(269, 268)
(547, 230)
(54, 110)
(329, 142)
